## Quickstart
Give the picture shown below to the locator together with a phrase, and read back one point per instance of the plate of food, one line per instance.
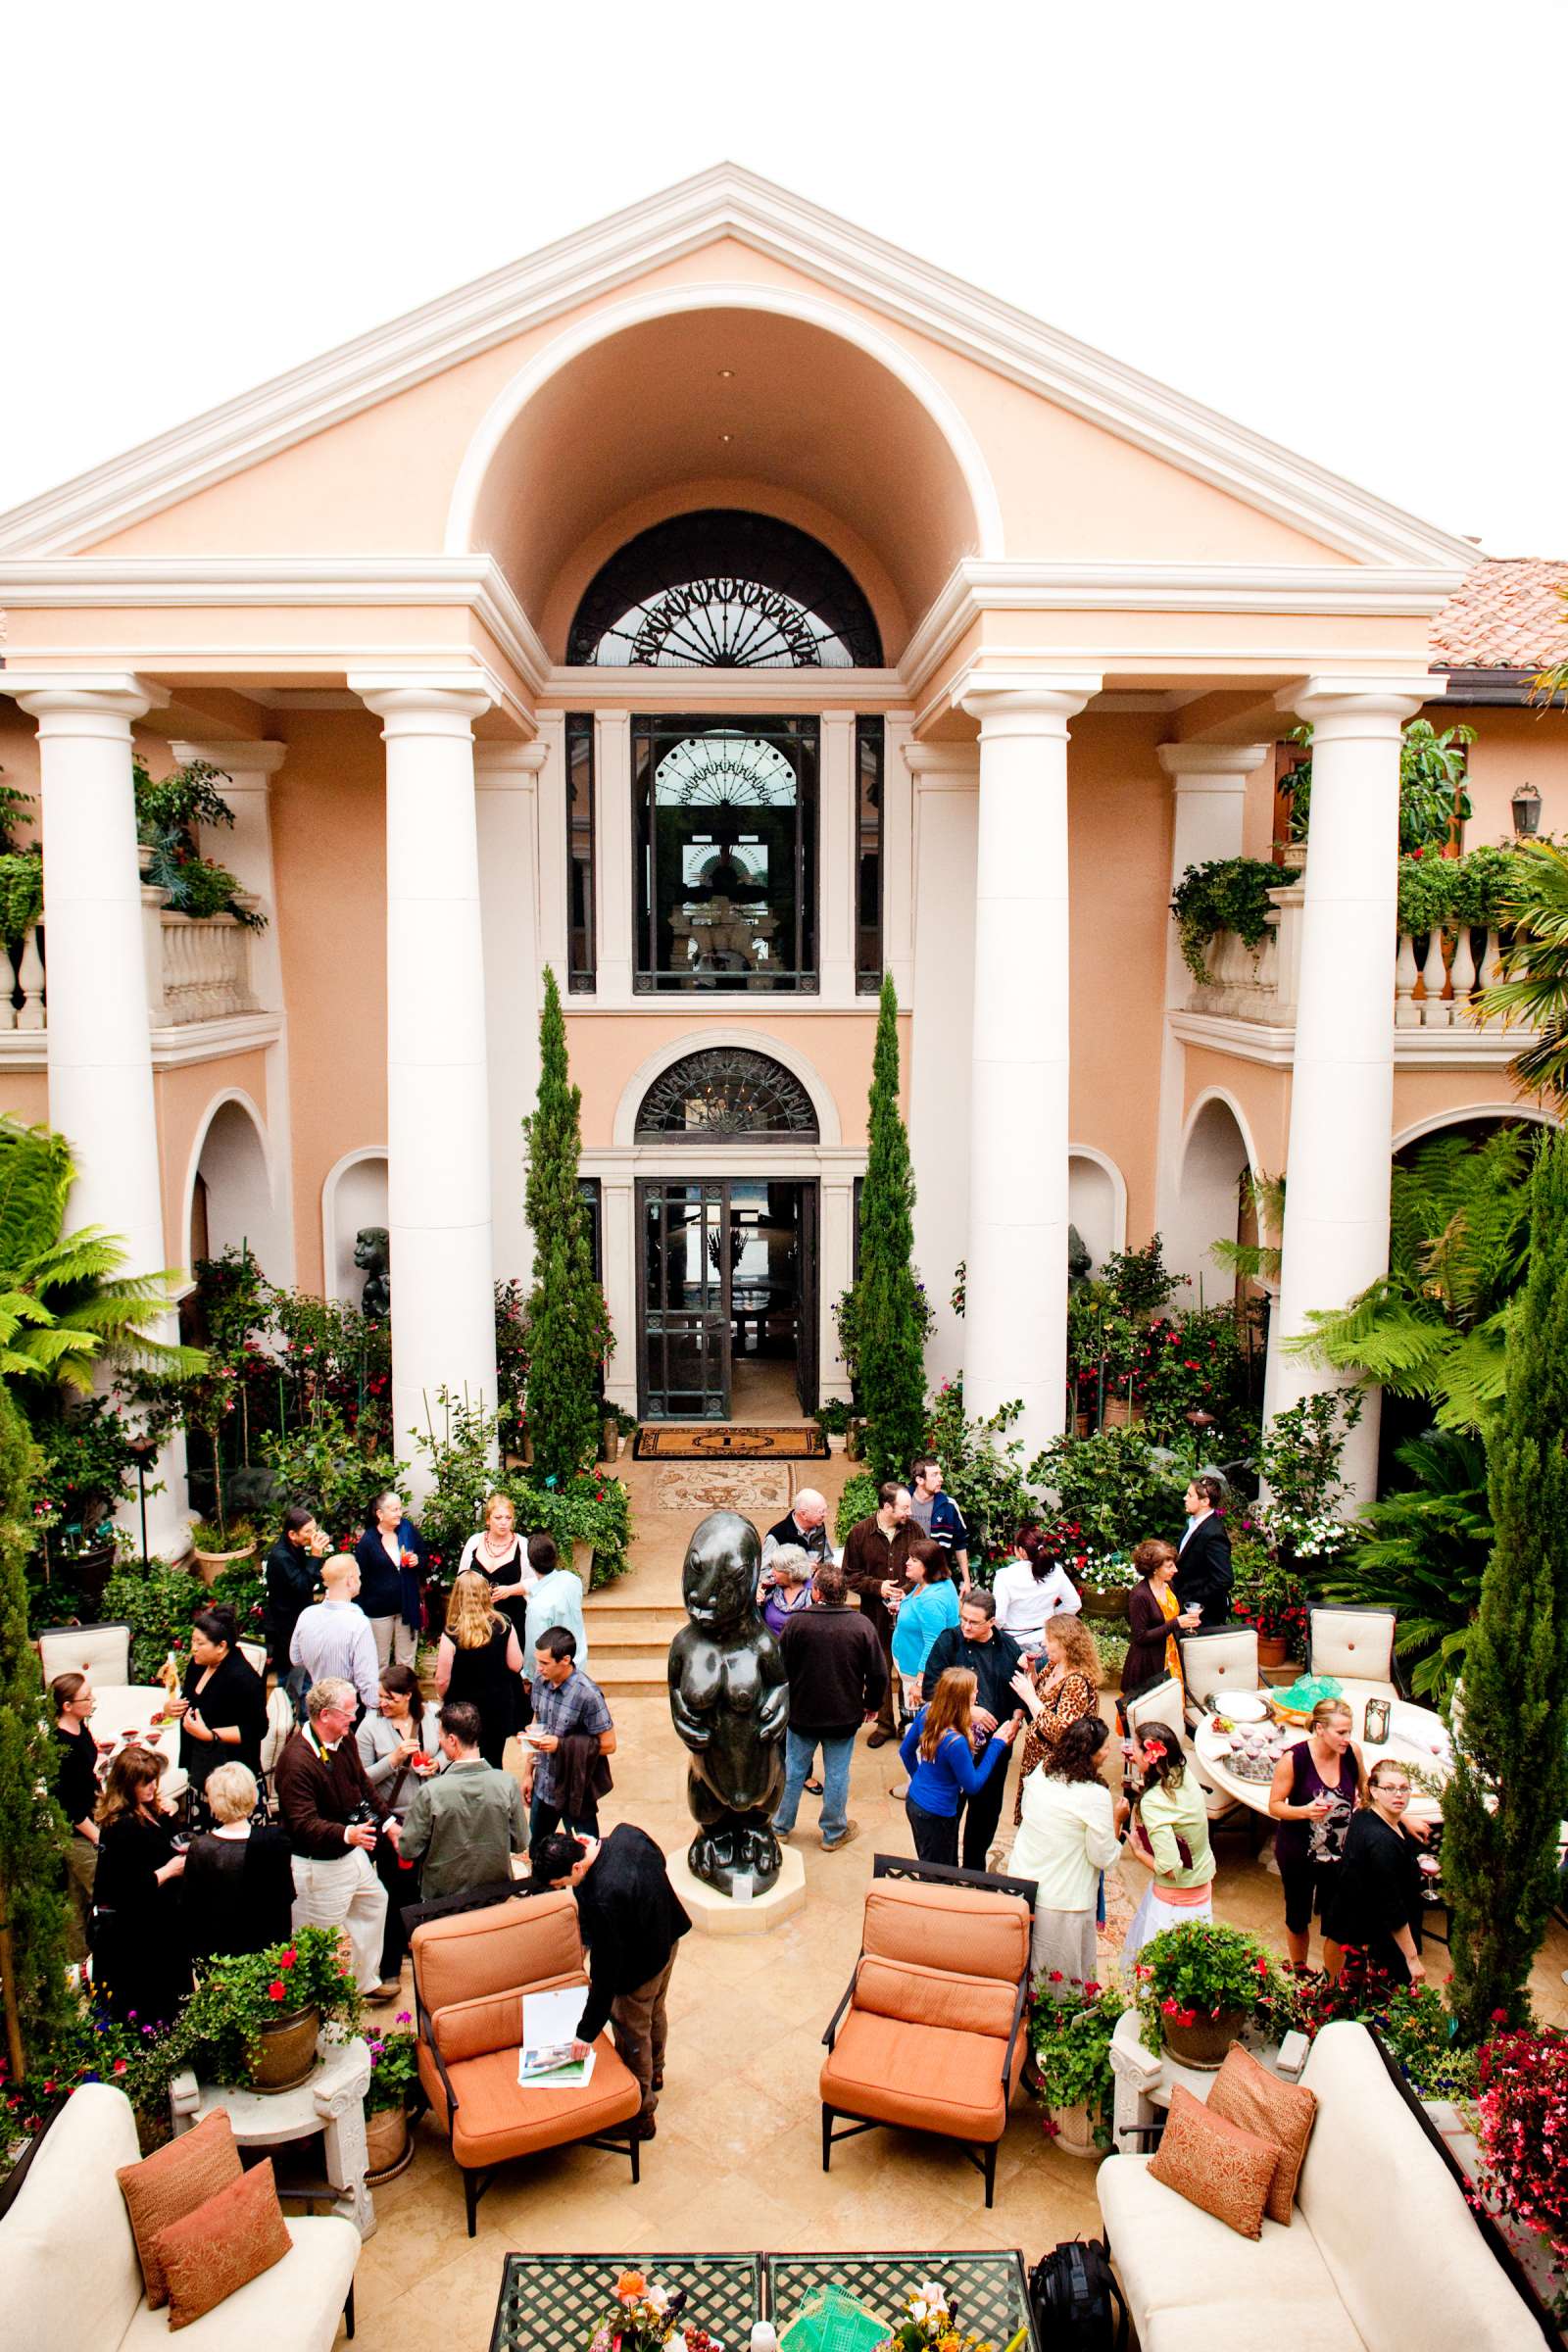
(1242, 1706)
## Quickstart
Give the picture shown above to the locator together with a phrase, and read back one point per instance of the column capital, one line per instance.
(116, 696)
(1231, 761)
(436, 703)
(250, 758)
(1370, 705)
(961, 760)
(1024, 702)
(508, 766)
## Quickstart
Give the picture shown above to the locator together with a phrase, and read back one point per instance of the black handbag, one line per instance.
(1075, 2299)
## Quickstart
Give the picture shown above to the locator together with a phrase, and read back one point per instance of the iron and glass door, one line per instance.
(726, 1270)
(807, 1367)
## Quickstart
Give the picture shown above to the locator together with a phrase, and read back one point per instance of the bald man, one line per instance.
(804, 1524)
(333, 1639)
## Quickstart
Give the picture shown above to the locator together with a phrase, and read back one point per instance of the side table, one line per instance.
(329, 2101)
(1144, 2082)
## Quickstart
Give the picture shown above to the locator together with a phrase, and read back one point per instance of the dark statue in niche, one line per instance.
(373, 1254)
(730, 1704)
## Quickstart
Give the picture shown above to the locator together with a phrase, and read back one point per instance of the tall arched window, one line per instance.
(722, 589)
(728, 1092)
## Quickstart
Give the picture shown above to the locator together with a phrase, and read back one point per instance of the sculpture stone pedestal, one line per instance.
(721, 1914)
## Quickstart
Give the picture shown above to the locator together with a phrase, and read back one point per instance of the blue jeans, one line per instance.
(799, 1754)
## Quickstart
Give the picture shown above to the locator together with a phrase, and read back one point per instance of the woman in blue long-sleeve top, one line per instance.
(943, 1770)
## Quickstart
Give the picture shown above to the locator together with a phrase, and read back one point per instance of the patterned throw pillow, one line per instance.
(1214, 2164)
(167, 2186)
(222, 2245)
(1247, 2093)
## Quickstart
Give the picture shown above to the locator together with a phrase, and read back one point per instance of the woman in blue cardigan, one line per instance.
(943, 1770)
(391, 1557)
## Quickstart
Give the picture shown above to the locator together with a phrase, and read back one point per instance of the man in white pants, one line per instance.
(322, 1787)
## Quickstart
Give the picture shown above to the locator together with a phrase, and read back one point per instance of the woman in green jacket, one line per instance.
(1167, 1832)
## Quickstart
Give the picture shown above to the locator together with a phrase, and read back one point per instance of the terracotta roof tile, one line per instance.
(1509, 615)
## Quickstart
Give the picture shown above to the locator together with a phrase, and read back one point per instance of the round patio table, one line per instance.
(1416, 1736)
(124, 1713)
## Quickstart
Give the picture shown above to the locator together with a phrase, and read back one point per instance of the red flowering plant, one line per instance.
(1072, 2024)
(1414, 2022)
(219, 2028)
(394, 2068)
(1522, 2126)
(1200, 1970)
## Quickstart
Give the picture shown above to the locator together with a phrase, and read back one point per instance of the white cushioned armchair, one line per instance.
(71, 2278)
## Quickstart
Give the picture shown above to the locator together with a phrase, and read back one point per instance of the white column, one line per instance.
(946, 796)
(612, 853)
(98, 1037)
(1208, 783)
(506, 775)
(248, 771)
(839, 838)
(1015, 1332)
(835, 1258)
(550, 797)
(617, 1210)
(1336, 1238)
(438, 1106)
(898, 856)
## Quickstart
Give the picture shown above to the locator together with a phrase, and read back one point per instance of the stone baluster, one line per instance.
(1491, 968)
(1433, 975)
(31, 973)
(8, 987)
(1462, 973)
(1406, 972)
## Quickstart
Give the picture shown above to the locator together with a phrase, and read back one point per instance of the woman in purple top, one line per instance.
(1316, 1788)
(787, 1584)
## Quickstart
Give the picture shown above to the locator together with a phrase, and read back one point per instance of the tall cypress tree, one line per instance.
(1502, 1808)
(568, 1326)
(33, 1917)
(889, 1323)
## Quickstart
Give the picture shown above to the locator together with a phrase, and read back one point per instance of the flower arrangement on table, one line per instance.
(931, 2324)
(1202, 1969)
(1071, 2025)
(643, 2317)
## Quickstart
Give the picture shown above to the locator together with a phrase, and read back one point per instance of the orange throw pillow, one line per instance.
(1214, 2164)
(1247, 2093)
(222, 2245)
(167, 2186)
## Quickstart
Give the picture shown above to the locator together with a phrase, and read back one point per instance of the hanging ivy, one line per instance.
(1228, 894)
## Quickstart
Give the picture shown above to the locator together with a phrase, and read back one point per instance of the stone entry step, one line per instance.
(653, 1621)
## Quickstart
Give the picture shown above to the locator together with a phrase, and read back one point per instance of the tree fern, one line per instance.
(1260, 1260)
(1534, 988)
(1426, 1552)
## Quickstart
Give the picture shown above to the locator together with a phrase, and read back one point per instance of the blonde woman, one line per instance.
(1065, 1690)
(943, 1770)
(497, 1554)
(480, 1659)
(1316, 1788)
(139, 1962)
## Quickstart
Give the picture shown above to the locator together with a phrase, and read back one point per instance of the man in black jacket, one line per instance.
(1204, 1578)
(837, 1676)
(993, 1658)
(291, 1578)
(631, 1920)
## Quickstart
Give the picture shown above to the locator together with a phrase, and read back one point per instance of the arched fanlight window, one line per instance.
(726, 1091)
(721, 589)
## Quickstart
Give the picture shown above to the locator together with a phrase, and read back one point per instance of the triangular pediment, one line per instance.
(727, 203)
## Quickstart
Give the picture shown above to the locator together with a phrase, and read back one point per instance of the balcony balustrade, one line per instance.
(198, 970)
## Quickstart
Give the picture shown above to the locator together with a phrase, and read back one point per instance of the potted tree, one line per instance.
(391, 2099)
(1070, 2031)
(1200, 1987)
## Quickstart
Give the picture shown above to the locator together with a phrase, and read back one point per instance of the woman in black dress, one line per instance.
(223, 1701)
(480, 1659)
(76, 1795)
(1373, 1907)
(238, 1887)
(140, 1968)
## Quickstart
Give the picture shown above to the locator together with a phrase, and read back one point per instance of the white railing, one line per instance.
(1437, 975)
(198, 970)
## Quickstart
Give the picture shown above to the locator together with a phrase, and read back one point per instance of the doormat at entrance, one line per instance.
(722, 1441)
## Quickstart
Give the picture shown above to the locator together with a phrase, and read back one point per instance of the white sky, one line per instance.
(1339, 223)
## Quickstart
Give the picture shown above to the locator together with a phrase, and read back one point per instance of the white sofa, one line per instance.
(1382, 2253)
(69, 2277)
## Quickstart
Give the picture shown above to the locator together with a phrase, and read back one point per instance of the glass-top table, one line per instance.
(552, 2302)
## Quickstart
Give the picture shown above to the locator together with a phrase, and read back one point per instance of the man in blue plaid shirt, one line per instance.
(567, 1705)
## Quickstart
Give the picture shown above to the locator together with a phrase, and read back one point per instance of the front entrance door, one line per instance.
(728, 1280)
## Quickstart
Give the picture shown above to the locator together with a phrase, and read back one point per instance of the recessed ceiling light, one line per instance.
(726, 372)
(726, 436)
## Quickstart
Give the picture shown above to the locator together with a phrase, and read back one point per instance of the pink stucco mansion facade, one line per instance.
(723, 608)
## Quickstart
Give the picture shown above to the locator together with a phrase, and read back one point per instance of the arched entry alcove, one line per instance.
(354, 1195)
(228, 1198)
(1216, 1155)
(1096, 1203)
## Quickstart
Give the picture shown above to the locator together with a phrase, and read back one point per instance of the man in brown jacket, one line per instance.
(333, 1817)
(875, 1550)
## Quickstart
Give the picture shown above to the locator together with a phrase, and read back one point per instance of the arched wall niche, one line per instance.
(1217, 1153)
(1096, 1203)
(354, 1194)
(228, 1202)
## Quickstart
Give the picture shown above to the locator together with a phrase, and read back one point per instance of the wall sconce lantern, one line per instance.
(1525, 811)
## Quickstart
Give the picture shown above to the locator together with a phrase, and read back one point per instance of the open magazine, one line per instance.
(549, 2030)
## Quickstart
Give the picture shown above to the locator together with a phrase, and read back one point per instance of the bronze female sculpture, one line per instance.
(731, 1705)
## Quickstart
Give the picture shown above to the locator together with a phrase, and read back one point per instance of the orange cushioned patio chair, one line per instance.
(470, 1972)
(932, 2037)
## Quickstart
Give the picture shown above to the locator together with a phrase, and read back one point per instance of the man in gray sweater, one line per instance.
(463, 1826)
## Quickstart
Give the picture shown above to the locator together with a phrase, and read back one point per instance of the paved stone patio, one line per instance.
(737, 2162)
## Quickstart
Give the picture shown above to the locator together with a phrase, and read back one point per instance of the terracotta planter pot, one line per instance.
(209, 1565)
(582, 1562)
(1074, 2134)
(1112, 1603)
(1273, 1649)
(287, 2053)
(1119, 1412)
(388, 2145)
(1206, 2042)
